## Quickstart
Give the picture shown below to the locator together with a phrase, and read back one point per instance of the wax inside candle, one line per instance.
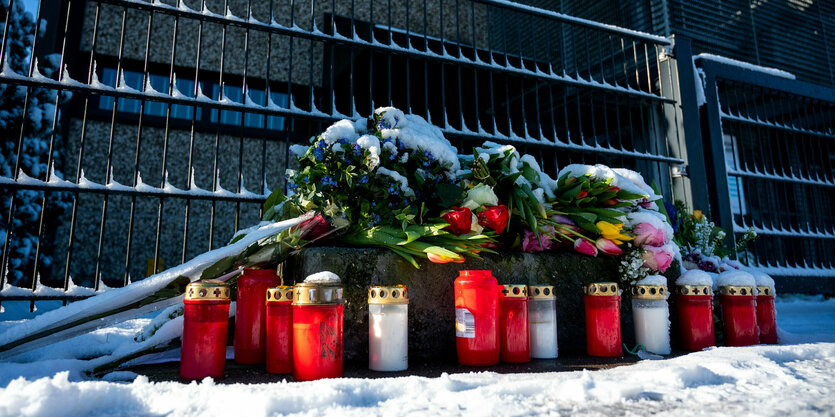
(652, 325)
(542, 320)
(388, 331)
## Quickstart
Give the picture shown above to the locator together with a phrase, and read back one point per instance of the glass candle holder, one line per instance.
(280, 330)
(251, 315)
(388, 328)
(514, 337)
(542, 321)
(602, 306)
(205, 326)
(651, 316)
(695, 317)
(476, 318)
(318, 313)
(739, 315)
(766, 315)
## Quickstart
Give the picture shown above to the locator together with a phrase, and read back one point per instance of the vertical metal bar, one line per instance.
(720, 203)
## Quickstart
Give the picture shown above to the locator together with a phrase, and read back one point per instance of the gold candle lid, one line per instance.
(542, 292)
(734, 290)
(317, 294)
(695, 290)
(765, 290)
(601, 289)
(649, 292)
(388, 294)
(514, 291)
(280, 293)
(208, 290)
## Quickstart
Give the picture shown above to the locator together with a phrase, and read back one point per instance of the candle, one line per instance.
(476, 321)
(602, 306)
(251, 315)
(280, 330)
(542, 321)
(766, 313)
(205, 326)
(317, 329)
(739, 307)
(694, 302)
(651, 315)
(514, 337)
(388, 328)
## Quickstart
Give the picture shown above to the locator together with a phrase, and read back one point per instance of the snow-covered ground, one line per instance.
(790, 379)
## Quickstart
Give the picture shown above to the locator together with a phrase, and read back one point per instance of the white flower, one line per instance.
(475, 227)
(479, 196)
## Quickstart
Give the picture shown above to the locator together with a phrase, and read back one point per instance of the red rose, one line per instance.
(460, 220)
(494, 217)
(314, 228)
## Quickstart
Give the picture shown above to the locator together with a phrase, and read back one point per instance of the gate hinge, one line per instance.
(667, 53)
(679, 170)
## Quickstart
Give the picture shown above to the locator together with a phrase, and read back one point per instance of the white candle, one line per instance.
(652, 325)
(542, 321)
(388, 332)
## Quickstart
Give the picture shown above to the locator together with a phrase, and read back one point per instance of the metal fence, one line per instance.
(770, 142)
(181, 112)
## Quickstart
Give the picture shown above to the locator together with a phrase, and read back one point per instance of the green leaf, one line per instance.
(530, 174)
(275, 197)
(218, 268)
(449, 195)
(626, 195)
(572, 192)
(409, 258)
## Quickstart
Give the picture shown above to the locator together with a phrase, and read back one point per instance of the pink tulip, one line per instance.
(585, 247)
(657, 259)
(531, 244)
(648, 235)
(440, 259)
(608, 247)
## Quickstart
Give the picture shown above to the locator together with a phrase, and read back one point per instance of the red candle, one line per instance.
(205, 325)
(739, 315)
(250, 315)
(317, 331)
(695, 317)
(602, 305)
(766, 315)
(280, 330)
(514, 337)
(476, 321)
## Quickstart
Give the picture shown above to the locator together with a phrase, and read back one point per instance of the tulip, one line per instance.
(612, 232)
(314, 228)
(559, 218)
(459, 219)
(582, 194)
(585, 247)
(697, 214)
(440, 259)
(481, 195)
(607, 246)
(494, 217)
(648, 235)
(657, 259)
(530, 242)
(610, 202)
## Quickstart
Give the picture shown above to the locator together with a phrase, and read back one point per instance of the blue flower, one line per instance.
(392, 157)
(305, 179)
(343, 141)
(373, 204)
(319, 154)
(328, 181)
(393, 189)
(357, 150)
(364, 179)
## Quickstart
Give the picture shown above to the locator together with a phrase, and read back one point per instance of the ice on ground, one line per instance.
(324, 277)
(695, 277)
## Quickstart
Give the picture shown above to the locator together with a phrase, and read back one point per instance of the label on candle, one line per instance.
(464, 323)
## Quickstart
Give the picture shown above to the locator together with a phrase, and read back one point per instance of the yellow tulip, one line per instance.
(613, 232)
(697, 214)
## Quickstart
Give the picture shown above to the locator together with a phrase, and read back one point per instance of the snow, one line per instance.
(324, 277)
(417, 134)
(654, 280)
(695, 277)
(736, 278)
(763, 280)
(624, 179)
(403, 181)
(757, 380)
(343, 129)
(744, 65)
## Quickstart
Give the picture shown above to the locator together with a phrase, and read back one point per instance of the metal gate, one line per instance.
(181, 112)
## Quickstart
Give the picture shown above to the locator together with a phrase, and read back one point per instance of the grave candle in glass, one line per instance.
(514, 337)
(651, 316)
(388, 328)
(602, 305)
(280, 330)
(250, 315)
(695, 317)
(766, 315)
(205, 325)
(739, 315)
(318, 311)
(476, 318)
(542, 321)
